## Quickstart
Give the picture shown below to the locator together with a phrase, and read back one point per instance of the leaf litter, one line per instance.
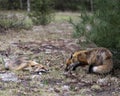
(50, 45)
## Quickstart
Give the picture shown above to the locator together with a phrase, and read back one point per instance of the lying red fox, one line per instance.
(98, 59)
(23, 64)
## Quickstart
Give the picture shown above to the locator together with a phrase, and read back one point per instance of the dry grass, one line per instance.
(51, 45)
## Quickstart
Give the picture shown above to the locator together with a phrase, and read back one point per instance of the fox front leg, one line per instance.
(21, 67)
(72, 67)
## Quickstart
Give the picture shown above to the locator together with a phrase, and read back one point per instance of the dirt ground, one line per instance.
(50, 45)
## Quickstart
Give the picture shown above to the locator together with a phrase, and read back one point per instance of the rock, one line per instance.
(47, 51)
(36, 77)
(84, 90)
(96, 87)
(57, 90)
(41, 85)
(103, 81)
(114, 79)
(65, 88)
(9, 77)
(66, 94)
(50, 90)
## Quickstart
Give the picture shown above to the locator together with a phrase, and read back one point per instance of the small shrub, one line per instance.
(27, 23)
(42, 12)
(102, 26)
(14, 21)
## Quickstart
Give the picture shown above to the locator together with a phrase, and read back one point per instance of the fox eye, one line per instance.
(32, 66)
(42, 68)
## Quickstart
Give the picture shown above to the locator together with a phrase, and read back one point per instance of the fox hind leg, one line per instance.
(90, 70)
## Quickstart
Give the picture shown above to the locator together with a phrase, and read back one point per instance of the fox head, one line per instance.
(40, 68)
(36, 67)
(77, 59)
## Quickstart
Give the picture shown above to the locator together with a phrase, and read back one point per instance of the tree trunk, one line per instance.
(28, 5)
(21, 4)
(91, 4)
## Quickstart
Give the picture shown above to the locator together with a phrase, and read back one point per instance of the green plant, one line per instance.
(14, 21)
(27, 23)
(102, 26)
(42, 12)
(71, 5)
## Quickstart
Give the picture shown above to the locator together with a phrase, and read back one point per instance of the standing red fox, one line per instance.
(99, 59)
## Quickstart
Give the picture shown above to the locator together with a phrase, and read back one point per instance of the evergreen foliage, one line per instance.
(42, 12)
(72, 5)
(103, 25)
(12, 4)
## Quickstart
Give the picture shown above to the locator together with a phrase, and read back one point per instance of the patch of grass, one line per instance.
(15, 20)
(27, 23)
(46, 84)
(5, 93)
(60, 16)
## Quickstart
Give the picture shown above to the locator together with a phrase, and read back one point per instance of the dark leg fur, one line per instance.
(67, 68)
(90, 70)
(75, 66)
(72, 67)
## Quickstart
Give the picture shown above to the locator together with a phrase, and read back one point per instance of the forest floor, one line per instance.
(51, 45)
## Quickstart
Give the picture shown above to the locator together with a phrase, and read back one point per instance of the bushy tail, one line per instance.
(106, 67)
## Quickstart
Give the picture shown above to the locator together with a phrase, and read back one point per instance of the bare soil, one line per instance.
(50, 45)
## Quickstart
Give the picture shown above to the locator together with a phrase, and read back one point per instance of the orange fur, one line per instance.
(21, 64)
(100, 59)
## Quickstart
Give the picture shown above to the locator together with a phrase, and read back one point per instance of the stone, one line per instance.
(96, 87)
(9, 77)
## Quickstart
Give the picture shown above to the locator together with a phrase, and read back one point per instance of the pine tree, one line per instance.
(42, 11)
(104, 24)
